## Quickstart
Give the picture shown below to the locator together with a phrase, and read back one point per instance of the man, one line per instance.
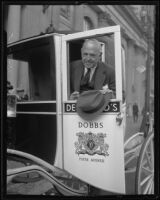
(90, 73)
(135, 112)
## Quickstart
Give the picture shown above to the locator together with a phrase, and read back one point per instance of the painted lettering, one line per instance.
(85, 124)
(80, 124)
(96, 125)
(101, 125)
(115, 107)
(107, 108)
(111, 107)
(83, 159)
(74, 107)
(90, 124)
(97, 160)
(68, 108)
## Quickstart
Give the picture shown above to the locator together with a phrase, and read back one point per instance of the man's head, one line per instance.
(90, 52)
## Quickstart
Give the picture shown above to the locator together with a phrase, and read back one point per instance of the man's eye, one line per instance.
(91, 55)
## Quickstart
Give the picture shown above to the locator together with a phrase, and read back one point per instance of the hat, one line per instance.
(91, 103)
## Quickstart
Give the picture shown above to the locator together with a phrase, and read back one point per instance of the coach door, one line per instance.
(93, 149)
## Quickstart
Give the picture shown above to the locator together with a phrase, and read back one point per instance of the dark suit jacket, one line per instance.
(103, 75)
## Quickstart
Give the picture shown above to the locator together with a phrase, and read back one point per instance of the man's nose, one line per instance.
(88, 57)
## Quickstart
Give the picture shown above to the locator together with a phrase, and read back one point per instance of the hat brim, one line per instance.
(94, 115)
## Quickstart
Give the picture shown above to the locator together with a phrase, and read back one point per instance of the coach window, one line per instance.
(35, 63)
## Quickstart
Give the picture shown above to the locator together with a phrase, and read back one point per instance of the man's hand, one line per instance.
(74, 95)
(105, 89)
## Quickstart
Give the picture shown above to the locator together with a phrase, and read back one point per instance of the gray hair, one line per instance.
(93, 41)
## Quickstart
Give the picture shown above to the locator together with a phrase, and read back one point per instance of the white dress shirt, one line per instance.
(92, 72)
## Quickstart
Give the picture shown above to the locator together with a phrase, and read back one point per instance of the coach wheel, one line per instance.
(145, 167)
(131, 151)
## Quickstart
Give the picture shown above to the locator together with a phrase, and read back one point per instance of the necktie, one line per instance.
(87, 76)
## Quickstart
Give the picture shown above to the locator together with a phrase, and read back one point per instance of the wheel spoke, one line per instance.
(153, 187)
(145, 180)
(144, 162)
(148, 185)
(132, 151)
(145, 169)
(150, 188)
(152, 153)
(133, 154)
(131, 158)
(130, 170)
(148, 158)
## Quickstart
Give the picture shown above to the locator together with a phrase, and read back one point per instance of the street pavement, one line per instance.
(45, 187)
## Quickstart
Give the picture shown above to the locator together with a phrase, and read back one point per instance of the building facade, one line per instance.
(23, 21)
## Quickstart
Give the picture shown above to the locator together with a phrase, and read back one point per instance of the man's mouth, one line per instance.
(89, 63)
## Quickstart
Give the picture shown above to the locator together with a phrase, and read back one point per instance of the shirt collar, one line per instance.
(92, 69)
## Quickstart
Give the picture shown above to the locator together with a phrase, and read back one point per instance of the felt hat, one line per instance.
(91, 103)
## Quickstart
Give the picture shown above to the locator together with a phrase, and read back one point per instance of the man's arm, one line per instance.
(109, 83)
(74, 94)
(72, 77)
(112, 83)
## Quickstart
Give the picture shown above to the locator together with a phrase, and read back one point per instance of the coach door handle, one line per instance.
(119, 118)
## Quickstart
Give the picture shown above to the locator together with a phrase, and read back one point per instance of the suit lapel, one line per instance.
(99, 77)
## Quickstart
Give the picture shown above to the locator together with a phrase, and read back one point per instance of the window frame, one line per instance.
(45, 40)
(87, 34)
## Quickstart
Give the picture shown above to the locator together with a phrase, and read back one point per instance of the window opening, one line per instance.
(74, 54)
(35, 58)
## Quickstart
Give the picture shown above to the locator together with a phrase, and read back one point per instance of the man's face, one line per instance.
(90, 55)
